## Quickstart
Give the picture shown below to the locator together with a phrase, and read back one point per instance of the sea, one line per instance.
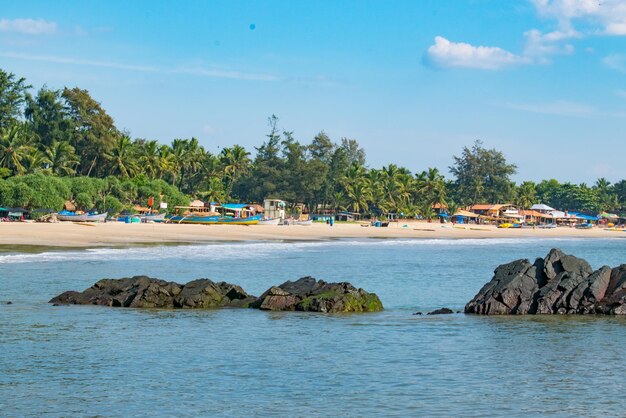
(100, 361)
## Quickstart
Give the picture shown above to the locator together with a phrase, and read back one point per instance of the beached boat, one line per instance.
(584, 226)
(153, 217)
(193, 218)
(65, 215)
(274, 221)
(304, 223)
(226, 214)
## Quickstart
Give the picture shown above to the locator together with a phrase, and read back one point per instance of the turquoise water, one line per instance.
(81, 360)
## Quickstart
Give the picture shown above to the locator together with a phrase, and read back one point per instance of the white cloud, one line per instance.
(563, 108)
(559, 108)
(197, 71)
(621, 93)
(447, 54)
(207, 72)
(615, 62)
(28, 26)
(609, 15)
(77, 61)
(540, 45)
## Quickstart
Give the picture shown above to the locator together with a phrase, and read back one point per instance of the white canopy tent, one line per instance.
(541, 207)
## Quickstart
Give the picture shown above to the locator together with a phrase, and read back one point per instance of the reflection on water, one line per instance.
(100, 361)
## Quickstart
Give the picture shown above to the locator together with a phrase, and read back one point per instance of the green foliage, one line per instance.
(482, 175)
(62, 145)
(83, 201)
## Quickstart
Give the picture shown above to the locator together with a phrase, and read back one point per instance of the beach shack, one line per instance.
(464, 216)
(274, 208)
(497, 212)
(345, 216)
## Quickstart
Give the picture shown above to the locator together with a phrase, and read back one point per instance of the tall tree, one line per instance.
(48, 117)
(12, 97)
(94, 132)
(483, 175)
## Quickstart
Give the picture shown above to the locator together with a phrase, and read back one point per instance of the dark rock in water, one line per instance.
(146, 292)
(9, 303)
(308, 294)
(418, 313)
(557, 284)
(441, 311)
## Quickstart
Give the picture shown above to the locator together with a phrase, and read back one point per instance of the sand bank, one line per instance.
(67, 234)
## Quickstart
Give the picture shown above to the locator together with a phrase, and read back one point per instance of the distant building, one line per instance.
(274, 208)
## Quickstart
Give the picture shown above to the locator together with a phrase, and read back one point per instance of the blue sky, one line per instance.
(413, 81)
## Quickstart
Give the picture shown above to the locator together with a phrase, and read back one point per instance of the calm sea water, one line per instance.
(78, 360)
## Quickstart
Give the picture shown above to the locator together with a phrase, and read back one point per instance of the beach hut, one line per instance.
(197, 204)
(540, 207)
(463, 216)
(274, 208)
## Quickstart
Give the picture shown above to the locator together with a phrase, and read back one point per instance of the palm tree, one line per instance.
(34, 161)
(337, 200)
(122, 157)
(14, 148)
(426, 210)
(235, 162)
(166, 163)
(61, 158)
(214, 190)
(149, 156)
(359, 194)
(526, 194)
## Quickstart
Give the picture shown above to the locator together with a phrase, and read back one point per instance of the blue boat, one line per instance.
(227, 214)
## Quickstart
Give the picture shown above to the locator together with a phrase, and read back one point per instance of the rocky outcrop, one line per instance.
(146, 292)
(308, 294)
(441, 311)
(556, 284)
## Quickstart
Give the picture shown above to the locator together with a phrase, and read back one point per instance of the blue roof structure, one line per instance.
(585, 217)
(234, 205)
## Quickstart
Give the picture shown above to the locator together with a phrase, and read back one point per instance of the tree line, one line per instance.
(58, 145)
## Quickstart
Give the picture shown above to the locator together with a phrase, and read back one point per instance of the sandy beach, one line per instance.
(67, 234)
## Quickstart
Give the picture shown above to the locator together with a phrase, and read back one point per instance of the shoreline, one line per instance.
(116, 234)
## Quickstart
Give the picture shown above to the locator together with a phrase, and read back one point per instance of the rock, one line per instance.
(556, 284)
(9, 303)
(418, 313)
(146, 292)
(309, 294)
(441, 311)
(306, 294)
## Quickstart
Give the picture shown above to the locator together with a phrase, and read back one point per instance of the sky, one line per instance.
(414, 82)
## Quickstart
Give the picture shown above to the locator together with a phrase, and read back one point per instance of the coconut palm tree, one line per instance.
(34, 161)
(60, 158)
(122, 158)
(149, 155)
(359, 195)
(14, 147)
(235, 163)
(166, 164)
(526, 195)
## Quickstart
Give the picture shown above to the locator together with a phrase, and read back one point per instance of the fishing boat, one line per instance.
(66, 215)
(271, 221)
(304, 223)
(153, 217)
(584, 226)
(226, 214)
